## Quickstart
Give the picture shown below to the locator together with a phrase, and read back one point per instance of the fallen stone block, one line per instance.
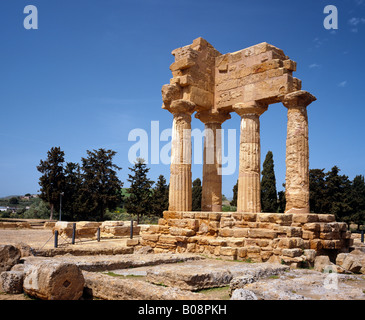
(12, 282)
(9, 256)
(53, 280)
(242, 294)
(114, 288)
(321, 262)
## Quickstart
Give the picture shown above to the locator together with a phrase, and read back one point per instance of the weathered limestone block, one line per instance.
(226, 222)
(64, 228)
(167, 239)
(305, 218)
(229, 252)
(11, 282)
(106, 287)
(292, 252)
(321, 262)
(181, 232)
(261, 233)
(132, 242)
(49, 224)
(242, 252)
(352, 262)
(151, 237)
(225, 232)
(315, 244)
(192, 224)
(53, 280)
(215, 216)
(243, 294)
(326, 218)
(332, 235)
(235, 243)
(309, 235)
(249, 217)
(240, 232)
(277, 218)
(331, 244)
(9, 256)
(173, 215)
(310, 255)
(288, 243)
(313, 226)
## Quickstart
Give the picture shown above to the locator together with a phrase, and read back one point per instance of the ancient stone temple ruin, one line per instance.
(246, 82)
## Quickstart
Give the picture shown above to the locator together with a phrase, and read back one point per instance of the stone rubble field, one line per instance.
(102, 270)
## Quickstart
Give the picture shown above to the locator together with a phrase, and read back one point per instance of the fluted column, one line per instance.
(297, 152)
(248, 195)
(212, 159)
(180, 198)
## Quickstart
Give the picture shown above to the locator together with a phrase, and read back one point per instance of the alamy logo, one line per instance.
(330, 21)
(31, 20)
(203, 149)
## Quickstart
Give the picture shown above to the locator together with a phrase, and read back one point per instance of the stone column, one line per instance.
(248, 196)
(180, 170)
(297, 152)
(212, 160)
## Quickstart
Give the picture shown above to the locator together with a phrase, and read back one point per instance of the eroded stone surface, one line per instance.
(205, 274)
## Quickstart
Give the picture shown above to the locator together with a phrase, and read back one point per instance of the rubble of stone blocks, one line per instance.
(88, 229)
(274, 237)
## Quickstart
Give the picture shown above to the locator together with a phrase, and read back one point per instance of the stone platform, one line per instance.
(291, 239)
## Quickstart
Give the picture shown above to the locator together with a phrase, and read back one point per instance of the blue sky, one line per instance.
(94, 69)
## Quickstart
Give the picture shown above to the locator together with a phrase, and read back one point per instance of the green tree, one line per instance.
(38, 210)
(234, 199)
(269, 200)
(160, 197)
(71, 200)
(101, 187)
(139, 200)
(52, 179)
(337, 195)
(14, 200)
(317, 190)
(358, 201)
(281, 201)
(197, 195)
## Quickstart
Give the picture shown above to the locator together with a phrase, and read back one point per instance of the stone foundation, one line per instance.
(258, 237)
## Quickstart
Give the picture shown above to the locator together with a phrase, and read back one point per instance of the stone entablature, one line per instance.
(260, 237)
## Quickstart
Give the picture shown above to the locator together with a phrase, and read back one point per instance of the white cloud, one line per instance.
(354, 30)
(342, 84)
(354, 21)
(314, 65)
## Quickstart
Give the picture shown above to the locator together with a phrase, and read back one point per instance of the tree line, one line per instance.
(329, 192)
(85, 191)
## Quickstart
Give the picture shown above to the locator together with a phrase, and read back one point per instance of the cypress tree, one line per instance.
(235, 191)
(160, 197)
(101, 188)
(269, 201)
(53, 179)
(139, 200)
(197, 195)
(358, 201)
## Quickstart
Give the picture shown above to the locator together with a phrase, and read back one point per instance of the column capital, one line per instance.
(299, 98)
(252, 107)
(181, 106)
(212, 117)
